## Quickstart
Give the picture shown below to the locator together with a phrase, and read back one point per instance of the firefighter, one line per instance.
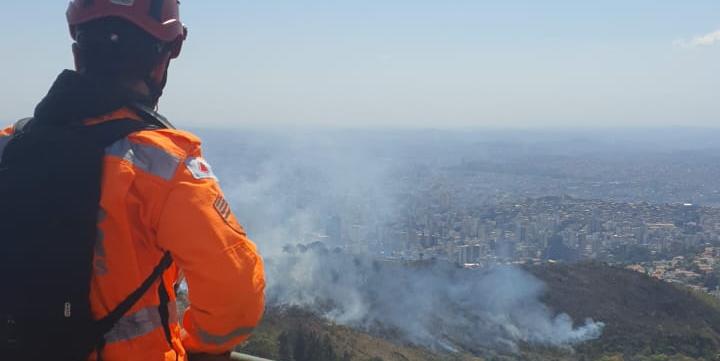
(158, 194)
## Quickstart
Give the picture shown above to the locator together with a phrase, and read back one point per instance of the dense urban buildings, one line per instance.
(676, 242)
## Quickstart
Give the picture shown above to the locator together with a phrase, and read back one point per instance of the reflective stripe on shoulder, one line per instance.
(149, 158)
(4, 140)
(219, 340)
(140, 324)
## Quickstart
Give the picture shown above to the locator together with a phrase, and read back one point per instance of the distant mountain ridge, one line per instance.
(643, 316)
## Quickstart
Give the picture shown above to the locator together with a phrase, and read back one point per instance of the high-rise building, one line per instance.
(469, 254)
(333, 229)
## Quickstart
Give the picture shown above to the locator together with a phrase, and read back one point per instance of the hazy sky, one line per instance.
(411, 63)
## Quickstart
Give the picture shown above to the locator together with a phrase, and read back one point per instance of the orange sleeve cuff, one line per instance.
(197, 340)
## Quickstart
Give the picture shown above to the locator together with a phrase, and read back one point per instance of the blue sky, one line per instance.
(420, 63)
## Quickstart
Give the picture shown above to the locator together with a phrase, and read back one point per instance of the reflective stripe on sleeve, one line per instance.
(219, 340)
(139, 324)
(4, 140)
(146, 157)
(173, 312)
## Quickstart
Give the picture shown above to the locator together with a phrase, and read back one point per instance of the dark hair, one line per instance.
(116, 48)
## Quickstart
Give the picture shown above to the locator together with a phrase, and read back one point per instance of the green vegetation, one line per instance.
(644, 317)
(295, 335)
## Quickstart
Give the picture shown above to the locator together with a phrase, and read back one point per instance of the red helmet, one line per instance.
(160, 18)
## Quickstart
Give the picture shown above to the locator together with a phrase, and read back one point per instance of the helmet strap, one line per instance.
(156, 88)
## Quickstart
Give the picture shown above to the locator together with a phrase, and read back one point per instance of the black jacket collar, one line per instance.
(75, 97)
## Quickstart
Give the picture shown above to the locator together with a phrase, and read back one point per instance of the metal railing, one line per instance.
(236, 356)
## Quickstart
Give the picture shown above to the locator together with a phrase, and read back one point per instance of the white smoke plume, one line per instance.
(429, 304)
(284, 189)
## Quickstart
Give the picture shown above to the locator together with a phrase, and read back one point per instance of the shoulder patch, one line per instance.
(200, 168)
(223, 208)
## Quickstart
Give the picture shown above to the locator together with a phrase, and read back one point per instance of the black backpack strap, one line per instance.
(18, 128)
(151, 116)
(106, 324)
(21, 125)
(104, 134)
(164, 310)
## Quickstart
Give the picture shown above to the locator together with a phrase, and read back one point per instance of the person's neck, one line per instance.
(140, 92)
(136, 88)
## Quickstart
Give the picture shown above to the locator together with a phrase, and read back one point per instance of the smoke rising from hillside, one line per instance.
(429, 304)
(284, 196)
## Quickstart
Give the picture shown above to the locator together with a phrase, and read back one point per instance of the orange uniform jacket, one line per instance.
(158, 194)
